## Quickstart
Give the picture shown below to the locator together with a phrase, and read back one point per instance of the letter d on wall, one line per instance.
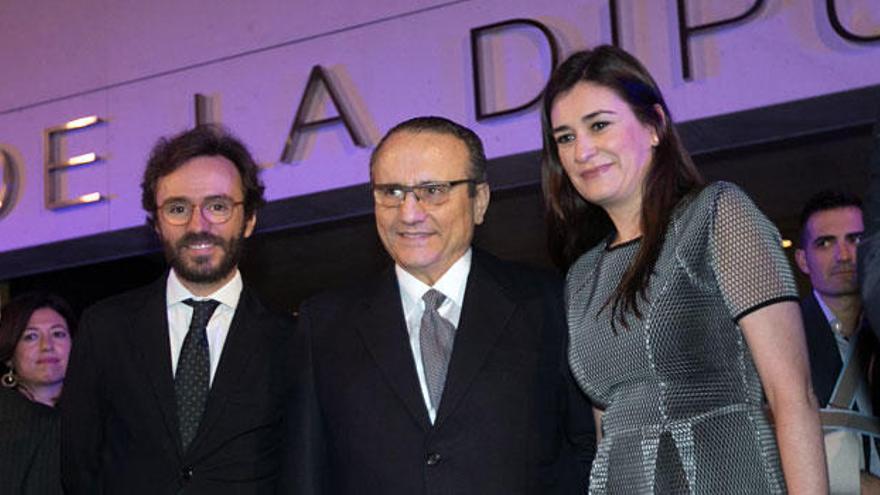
(482, 73)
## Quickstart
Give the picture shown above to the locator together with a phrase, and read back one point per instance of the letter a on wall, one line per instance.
(318, 80)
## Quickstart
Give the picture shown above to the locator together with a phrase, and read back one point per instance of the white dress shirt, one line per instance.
(452, 285)
(180, 314)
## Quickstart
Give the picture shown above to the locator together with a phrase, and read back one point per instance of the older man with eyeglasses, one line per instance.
(447, 372)
(177, 387)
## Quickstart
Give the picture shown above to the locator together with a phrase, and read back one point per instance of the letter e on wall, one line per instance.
(57, 164)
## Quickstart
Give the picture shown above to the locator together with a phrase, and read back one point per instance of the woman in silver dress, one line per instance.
(682, 309)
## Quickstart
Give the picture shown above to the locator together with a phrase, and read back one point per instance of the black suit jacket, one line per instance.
(825, 362)
(869, 257)
(869, 249)
(120, 428)
(30, 446)
(510, 421)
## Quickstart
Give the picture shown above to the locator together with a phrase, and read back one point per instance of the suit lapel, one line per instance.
(825, 361)
(484, 316)
(383, 329)
(149, 337)
(237, 350)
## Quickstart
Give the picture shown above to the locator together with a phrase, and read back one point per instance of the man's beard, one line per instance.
(198, 269)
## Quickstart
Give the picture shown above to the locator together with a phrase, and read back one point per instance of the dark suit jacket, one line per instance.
(510, 420)
(120, 428)
(869, 249)
(30, 446)
(825, 362)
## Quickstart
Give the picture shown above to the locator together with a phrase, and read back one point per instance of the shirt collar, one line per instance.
(833, 321)
(227, 295)
(452, 284)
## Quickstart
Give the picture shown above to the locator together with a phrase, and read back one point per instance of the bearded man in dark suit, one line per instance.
(176, 387)
(447, 373)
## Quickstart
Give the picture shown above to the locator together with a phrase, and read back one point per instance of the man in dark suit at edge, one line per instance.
(842, 348)
(176, 387)
(446, 374)
(869, 248)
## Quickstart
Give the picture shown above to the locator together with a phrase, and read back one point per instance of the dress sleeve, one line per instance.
(746, 256)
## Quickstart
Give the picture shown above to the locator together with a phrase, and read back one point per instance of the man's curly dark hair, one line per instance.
(169, 154)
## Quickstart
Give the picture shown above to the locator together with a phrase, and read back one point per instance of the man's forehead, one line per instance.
(201, 176)
(411, 151)
(835, 222)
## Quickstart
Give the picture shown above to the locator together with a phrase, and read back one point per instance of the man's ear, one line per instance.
(249, 226)
(481, 202)
(800, 256)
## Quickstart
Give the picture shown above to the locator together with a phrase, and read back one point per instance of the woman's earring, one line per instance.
(8, 379)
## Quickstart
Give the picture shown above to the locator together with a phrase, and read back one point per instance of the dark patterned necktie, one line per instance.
(436, 336)
(193, 371)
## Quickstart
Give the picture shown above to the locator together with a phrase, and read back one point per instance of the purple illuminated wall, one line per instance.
(138, 65)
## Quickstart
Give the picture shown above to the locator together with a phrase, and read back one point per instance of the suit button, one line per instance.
(433, 459)
(186, 473)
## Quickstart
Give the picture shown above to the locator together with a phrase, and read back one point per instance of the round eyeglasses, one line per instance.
(214, 210)
(430, 193)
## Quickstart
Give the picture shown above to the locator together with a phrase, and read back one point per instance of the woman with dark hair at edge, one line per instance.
(682, 309)
(35, 340)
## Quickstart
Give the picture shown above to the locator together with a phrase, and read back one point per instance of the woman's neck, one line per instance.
(627, 222)
(44, 394)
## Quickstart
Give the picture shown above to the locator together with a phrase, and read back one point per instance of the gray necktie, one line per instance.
(436, 335)
(193, 371)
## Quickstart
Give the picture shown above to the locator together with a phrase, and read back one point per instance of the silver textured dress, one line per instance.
(683, 403)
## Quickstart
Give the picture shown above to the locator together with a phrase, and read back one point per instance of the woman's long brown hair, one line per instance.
(575, 225)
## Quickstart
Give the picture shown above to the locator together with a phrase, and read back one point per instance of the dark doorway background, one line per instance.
(780, 155)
